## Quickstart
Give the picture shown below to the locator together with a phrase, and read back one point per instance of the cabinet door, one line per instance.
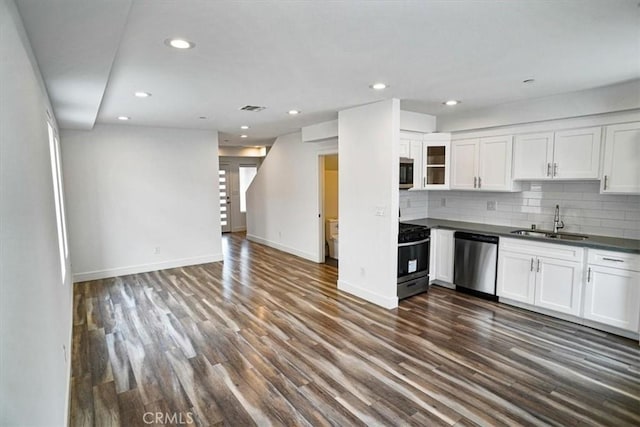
(444, 256)
(405, 148)
(516, 276)
(558, 285)
(494, 164)
(612, 297)
(415, 152)
(436, 161)
(621, 173)
(576, 153)
(464, 163)
(433, 255)
(532, 156)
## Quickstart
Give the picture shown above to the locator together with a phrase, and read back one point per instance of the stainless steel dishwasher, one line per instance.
(475, 263)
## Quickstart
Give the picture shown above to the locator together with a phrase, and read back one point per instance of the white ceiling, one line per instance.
(318, 57)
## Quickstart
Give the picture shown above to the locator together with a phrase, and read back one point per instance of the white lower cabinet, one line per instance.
(612, 291)
(516, 280)
(541, 274)
(444, 255)
(558, 285)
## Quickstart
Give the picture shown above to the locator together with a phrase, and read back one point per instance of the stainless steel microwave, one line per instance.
(406, 173)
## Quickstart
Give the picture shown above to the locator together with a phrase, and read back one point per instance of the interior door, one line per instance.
(225, 198)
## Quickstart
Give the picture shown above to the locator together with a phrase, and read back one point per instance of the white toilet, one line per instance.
(331, 234)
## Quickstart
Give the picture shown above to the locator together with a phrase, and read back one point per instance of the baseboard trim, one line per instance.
(571, 318)
(143, 268)
(306, 255)
(367, 295)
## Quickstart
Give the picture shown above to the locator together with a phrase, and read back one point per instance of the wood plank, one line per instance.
(265, 338)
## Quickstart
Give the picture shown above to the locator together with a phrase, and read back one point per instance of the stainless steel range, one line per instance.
(413, 259)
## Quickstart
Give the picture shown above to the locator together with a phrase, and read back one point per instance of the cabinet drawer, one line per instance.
(535, 248)
(614, 259)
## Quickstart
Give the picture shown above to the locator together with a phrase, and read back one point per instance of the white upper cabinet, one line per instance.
(436, 160)
(405, 145)
(464, 164)
(568, 154)
(494, 165)
(576, 153)
(533, 156)
(411, 147)
(621, 166)
(482, 164)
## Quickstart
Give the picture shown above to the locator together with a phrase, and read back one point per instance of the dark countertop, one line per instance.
(596, 242)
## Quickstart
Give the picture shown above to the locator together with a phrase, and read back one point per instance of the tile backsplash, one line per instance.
(582, 208)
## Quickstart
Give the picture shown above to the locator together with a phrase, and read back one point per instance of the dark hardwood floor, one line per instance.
(266, 339)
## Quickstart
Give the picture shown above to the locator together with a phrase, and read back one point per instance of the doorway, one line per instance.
(225, 197)
(330, 211)
(236, 174)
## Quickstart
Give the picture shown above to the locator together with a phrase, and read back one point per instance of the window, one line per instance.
(246, 175)
(56, 175)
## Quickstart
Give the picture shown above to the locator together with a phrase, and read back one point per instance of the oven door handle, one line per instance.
(401, 245)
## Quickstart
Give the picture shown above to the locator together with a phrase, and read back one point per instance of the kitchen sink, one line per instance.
(550, 235)
(531, 233)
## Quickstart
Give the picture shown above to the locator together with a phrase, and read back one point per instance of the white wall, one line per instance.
(618, 97)
(369, 149)
(35, 303)
(132, 189)
(283, 201)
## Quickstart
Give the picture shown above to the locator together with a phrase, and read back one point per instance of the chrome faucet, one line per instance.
(557, 224)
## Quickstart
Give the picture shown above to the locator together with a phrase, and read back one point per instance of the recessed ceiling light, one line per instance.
(293, 112)
(527, 81)
(125, 118)
(378, 86)
(202, 117)
(244, 136)
(244, 127)
(179, 43)
(452, 102)
(142, 94)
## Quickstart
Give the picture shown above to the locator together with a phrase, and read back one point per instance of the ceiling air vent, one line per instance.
(252, 108)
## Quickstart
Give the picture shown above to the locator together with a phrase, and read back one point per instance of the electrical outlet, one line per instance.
(379, 210)
(491, 205)
(443, 202)
(156, 250)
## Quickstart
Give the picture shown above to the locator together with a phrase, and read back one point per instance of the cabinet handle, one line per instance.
(424, 181)
(531, 269)
(548, 169)
(612, 259)
(538, 266)
(479, 182)
(605, 182)
(589, 275)
(475, 181)
(555, 169)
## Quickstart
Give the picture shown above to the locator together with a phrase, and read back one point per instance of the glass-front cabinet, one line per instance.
(436, 161)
